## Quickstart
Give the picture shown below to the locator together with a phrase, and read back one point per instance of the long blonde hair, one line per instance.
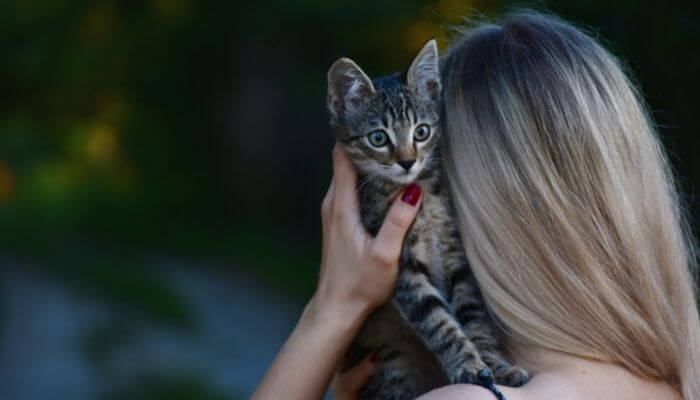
(566, 201)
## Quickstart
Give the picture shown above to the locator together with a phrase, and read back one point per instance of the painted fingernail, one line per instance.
(374, 357)
(411, 194)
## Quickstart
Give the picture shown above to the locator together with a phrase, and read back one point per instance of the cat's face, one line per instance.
(388, 127)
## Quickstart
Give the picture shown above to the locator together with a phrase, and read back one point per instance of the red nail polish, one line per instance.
(374, 357)
(411, 194)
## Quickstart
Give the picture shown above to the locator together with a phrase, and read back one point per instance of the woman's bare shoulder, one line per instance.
(471, 392)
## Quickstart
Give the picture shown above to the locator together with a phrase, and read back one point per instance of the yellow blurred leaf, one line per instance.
(418, 33)
(451, 10)
(99, 22)
(171, 8)
(102, 143)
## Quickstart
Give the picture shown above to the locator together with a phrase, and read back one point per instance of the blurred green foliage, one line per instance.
(197, 129)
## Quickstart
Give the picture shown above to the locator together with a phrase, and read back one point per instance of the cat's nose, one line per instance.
(406, 164)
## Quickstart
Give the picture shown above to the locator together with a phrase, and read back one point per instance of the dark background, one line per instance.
(162, 165)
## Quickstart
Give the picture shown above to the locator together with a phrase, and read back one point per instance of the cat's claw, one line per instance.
(485, 377)
(486, 380)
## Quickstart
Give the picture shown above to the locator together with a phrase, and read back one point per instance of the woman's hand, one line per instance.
(358, 272)
(347, 385)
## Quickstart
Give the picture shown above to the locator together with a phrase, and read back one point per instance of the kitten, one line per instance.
(435, 330)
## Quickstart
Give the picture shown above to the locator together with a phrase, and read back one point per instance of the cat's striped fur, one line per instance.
(436, 329)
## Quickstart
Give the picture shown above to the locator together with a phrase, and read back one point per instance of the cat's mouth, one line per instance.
(391, 173)
(403, 177)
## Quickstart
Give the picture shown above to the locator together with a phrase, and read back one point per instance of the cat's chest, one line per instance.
(427, 239)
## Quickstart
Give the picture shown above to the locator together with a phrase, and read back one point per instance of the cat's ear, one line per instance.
(348, 89)
(424, 74)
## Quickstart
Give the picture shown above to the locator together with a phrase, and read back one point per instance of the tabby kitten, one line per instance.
(435, 330)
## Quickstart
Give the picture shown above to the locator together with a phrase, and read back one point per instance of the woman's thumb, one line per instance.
(398, 220)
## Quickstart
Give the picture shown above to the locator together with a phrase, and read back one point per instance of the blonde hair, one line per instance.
(566, 202)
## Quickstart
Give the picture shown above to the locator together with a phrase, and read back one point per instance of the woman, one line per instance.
(570, 218)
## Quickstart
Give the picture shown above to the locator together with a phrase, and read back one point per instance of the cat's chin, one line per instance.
(401, 180)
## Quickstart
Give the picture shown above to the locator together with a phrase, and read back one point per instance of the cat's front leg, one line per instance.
(426, 309)
(470, 310)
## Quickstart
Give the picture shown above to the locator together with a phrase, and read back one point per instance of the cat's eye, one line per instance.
(421, 133)
(378, 138)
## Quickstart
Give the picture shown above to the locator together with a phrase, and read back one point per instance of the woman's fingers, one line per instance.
(345, 179)
(327, 204)
(387, 245)
(347, 385)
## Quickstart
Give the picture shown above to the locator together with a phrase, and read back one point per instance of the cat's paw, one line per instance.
(486, 380)
(509, 375)
(470, 373)
(480, 375)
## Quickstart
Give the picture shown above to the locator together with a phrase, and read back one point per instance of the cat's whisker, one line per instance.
(364, 181)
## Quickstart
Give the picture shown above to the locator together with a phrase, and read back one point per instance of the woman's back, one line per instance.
(561, 377)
